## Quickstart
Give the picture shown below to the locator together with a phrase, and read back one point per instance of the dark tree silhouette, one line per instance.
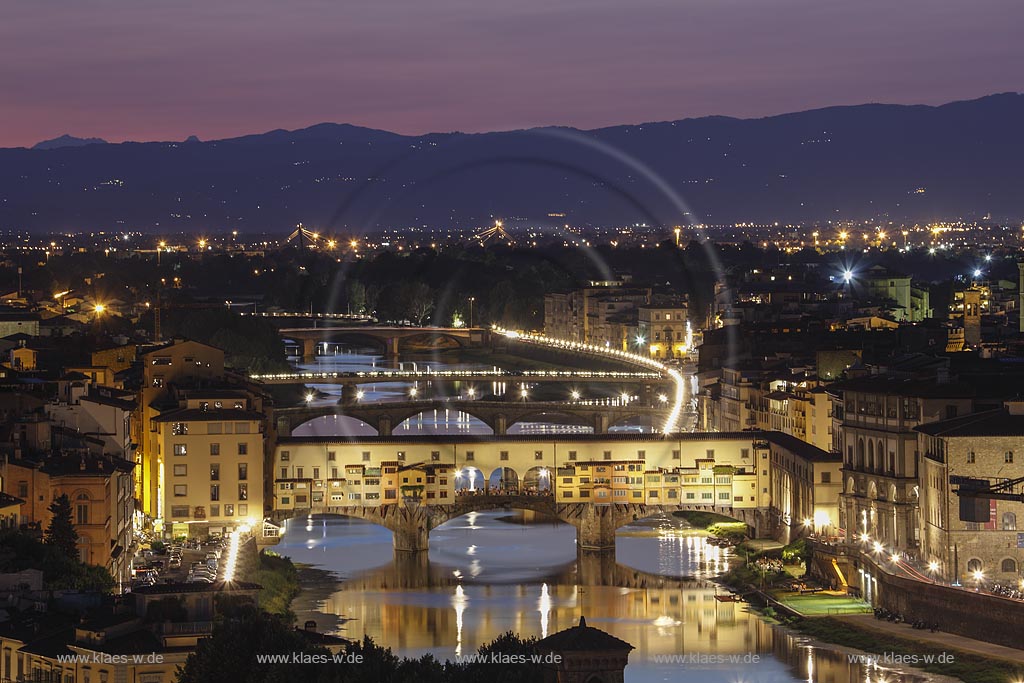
(61, 532)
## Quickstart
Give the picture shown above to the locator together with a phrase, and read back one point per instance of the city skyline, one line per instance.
(601, 64)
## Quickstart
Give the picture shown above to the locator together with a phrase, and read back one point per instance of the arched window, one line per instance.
(1009, 521)
(974, 565)
(82, 508)
(871, 456)
(1009, 566)
(880, 451)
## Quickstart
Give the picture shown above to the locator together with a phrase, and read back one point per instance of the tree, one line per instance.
(356, 297)
(421, 302)
(61, 532)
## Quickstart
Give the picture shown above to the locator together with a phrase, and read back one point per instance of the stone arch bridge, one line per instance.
(498, 415)
(389, 339)
(411, 521)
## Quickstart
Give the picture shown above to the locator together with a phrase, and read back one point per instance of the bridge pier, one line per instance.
(384, 426)
(500, 425)
(595, 528)
(309, 349)
(601, 423)
(348, 394)
(391, 347)
(410, 525)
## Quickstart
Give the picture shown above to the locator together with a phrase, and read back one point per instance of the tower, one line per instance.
(972, 317)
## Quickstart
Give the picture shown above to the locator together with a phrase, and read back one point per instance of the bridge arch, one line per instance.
(504, 480)
(469, 478)
(462, 420)
(538, 479)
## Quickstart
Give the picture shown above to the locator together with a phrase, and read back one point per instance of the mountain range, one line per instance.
(870, 162)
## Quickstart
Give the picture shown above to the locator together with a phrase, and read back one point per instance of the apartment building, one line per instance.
(973, 539)
(101, 491)
(210, 453)
(202, 436)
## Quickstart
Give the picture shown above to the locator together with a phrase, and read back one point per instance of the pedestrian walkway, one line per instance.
(940, 639)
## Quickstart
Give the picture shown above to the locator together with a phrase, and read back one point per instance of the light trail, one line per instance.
(679, 395)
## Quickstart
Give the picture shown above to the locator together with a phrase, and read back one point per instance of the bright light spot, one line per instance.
(575, 395)
(933, 566)
(977, 272)
(359, 395)
(978, 575)
(988, 257)
(523, 392)
(625, 398)
(100, 308)
(847, 276)
(878, 547)
(895, 557)
(310, 396)
(413, 392)
(808, 521)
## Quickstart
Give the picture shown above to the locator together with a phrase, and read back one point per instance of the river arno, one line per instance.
(488, 573)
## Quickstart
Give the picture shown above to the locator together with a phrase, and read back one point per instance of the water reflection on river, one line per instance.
(491, 572)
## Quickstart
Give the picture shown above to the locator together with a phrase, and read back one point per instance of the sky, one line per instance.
(167, 69)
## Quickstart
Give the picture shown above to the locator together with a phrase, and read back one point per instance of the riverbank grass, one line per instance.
(280, 580)
(821, 604)
(967, 667)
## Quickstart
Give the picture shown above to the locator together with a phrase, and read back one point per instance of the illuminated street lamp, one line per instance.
(413, 391)
(662, 398)
(471, 392)
(310, 396)
(523, 392)
(575, 395)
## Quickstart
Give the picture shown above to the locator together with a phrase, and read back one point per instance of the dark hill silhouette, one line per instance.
(858, 162)
(67, 141)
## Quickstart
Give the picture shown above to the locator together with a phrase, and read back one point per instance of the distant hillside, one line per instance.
(872, 161)
(67, 141)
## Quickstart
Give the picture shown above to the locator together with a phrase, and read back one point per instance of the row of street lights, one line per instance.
(524, 393)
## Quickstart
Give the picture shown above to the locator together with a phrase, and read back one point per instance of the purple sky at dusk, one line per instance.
(163, 70)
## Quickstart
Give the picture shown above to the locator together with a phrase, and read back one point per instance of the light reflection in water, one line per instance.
(527, 578)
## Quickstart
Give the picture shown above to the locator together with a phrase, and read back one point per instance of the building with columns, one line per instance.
(875, 418)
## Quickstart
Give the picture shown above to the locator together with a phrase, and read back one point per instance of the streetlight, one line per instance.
(413, 391)
(523, 392)
(471, 300)
(159, 250)
(310, 396)
(471, 392)
(575, 395)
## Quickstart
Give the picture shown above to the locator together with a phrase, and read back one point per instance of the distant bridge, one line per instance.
(498, 415)
(496, 375)
(411, 520)
(387, 338)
